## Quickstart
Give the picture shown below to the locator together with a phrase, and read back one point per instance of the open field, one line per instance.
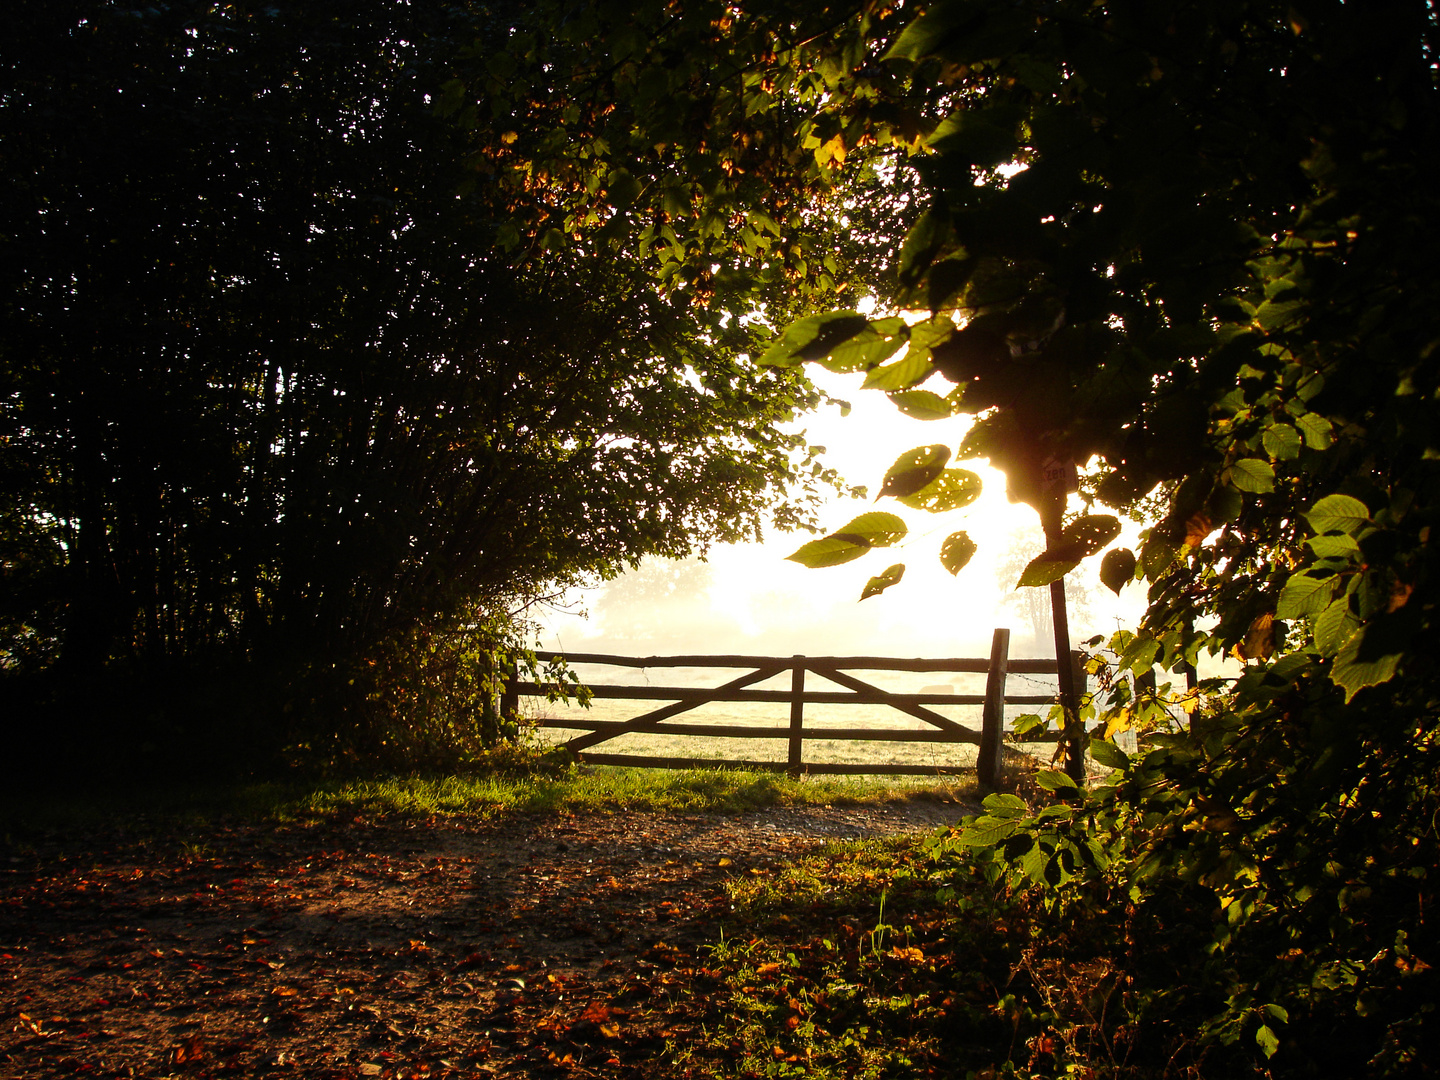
(817, 717)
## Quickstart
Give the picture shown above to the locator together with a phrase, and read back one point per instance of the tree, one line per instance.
(1191, 245)
(275, 409)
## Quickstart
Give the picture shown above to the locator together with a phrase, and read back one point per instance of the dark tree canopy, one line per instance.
(269, 393)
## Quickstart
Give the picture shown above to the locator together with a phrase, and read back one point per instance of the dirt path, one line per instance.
(449, 948)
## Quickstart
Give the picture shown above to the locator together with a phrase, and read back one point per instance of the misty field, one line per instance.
(818, 717)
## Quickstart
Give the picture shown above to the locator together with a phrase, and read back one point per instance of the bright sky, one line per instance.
(756, 602)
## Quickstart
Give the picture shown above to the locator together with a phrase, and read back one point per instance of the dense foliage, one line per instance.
(1189, 244)
(281, 427)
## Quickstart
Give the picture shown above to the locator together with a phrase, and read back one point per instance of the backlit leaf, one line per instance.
(1282, 442)
(828, 551)
(1352, 671)
(957, 550)
(951, 490)
(1252, 475)
(913, 368)
(1316, 431)
(914, 469)
(1117, 569)
(875, 529)
(880, 582)
(1334, 626)
(1054, 780)
(1042, 570)
(1304, 595)
(922, 404)
(1338, 513)
(815, 337)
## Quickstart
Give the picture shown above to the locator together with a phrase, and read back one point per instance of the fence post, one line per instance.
(1080, 685)
(992, 725)
(795, 761)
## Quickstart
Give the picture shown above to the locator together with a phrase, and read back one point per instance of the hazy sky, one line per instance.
(749, 599)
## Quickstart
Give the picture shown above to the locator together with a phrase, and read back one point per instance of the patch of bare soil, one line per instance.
(444, 948)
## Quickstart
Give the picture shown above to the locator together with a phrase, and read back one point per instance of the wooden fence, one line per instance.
(941, 728)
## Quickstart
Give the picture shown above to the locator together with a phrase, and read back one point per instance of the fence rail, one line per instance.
(941, 729)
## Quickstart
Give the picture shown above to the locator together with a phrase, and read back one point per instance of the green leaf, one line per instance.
(1042, 571)
(1054, 780)
(1334, 627)
(1316, 431)
(1352, 671)
(922, 404)
(987, 831)
(874, 529)
(1304, 595)
(1156, 556)
(622, 188)
(868, 348)
(1108, 754)
(1282, 442)
(1334, 547)
(914, 368)
(1267, 1040)
(880, 582)
(1000, 804)
(1252, 475)
(1082, 537)
(1338, 513)
(923, 243)
(957, 550)
(1275, 316)
(922, 35)
(914, 470)
(815, 337)
(1090, 532)
(951, 490)
(828, 551)
(1117, 569)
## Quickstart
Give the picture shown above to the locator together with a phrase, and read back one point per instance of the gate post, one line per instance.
(794, 762)
(992, 726)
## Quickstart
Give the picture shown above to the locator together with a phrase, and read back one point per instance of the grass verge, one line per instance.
(484, 793)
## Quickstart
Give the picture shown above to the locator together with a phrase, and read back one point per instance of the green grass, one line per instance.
(543, 790)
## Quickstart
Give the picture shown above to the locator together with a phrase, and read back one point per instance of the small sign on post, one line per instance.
(1059, 477)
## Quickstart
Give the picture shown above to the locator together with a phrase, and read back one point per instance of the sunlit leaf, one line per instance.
(1054, 780)
(1304, 596)
(828, 551)
(1353, 670)
(1252, 475)
(957, 550)
(913, 368)
(880, 582)
(1316, 431)
(815, 337)
(922, 404)
(914, 469)
(1334, 626)
(1042, 570)
(875, 529)
(1267, 1040)
(1108, 754)
(951, 490)
(1282, 442)
(1338, 513)
(1082, 537)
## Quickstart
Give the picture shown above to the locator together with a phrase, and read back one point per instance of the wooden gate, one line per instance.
(941, 729)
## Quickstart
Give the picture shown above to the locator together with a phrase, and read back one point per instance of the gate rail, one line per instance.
(942, 729)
